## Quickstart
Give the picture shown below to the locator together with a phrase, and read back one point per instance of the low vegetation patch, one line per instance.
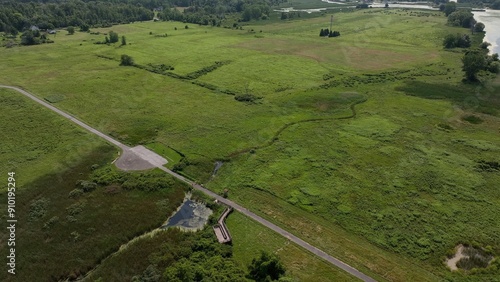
(474, 258)
(249, 98)
(473, 119)
(207, 69)
(54, 98)
(488, 166)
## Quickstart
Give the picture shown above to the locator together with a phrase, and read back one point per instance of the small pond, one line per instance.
(191, 216)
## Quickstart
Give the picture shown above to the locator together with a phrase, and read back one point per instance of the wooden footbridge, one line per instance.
(220, 228)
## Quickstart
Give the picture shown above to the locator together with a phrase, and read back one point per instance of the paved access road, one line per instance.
(153, 160)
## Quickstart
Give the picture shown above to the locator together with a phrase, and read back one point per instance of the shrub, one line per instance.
(38, 209)
(484, 45)
(126, 60)
(473, 119)
(245, 97)
(267, 267)
(456, 40)
(113, 37)
(75, 208)
(479, 27)
(85, 28)
(475, 258)
(50, 222)
(75, 193)
(494, 67)
(86, 186)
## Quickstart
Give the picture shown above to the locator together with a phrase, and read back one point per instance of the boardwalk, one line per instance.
(220, 228)
(154, 162)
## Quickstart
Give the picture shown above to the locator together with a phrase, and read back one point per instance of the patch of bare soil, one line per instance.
(452, 262)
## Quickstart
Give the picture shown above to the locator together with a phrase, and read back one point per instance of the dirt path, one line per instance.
(137, 158)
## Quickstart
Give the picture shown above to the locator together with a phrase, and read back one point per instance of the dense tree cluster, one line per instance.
(461, 17)
(329, 33)
(456, 40)
(33, 37)
(267, 267)
(16, 16)
(493, 4)
(290, 15)
(477, 60)
(362, 6)
(126, 60)
(199, 257)
(212, 12)
(448, 8)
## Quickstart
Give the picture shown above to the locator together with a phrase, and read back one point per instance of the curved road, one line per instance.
(153, 161)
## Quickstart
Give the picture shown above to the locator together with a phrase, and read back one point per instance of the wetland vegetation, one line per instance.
(371, 145)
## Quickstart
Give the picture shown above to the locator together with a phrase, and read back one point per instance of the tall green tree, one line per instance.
(473, 62)
(126, 60)
(479, 27)
(71, 30)
(461, 18)
(449, 8)
(113, 37)
(28, 38)
(124, 41)
(267, 267)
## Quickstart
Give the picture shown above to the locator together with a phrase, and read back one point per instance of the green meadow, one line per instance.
(368, 145)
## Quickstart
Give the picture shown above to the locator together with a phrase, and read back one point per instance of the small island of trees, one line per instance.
(330, 33)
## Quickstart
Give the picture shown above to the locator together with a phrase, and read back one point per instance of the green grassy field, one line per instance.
(389, 185)
(302, 266)
(36, 142)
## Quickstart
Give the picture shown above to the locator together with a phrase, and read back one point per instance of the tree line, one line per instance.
(213, 12)
(16, 16)
(492, 4)
(476, 59)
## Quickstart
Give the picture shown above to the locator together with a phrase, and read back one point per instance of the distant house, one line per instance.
(34, 28)
(159, 9)
(52, 31)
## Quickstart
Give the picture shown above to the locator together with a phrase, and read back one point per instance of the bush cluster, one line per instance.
(456, 40)
(206, 70)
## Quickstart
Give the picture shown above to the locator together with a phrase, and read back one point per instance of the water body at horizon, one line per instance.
(491, 21)
(405, 6)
